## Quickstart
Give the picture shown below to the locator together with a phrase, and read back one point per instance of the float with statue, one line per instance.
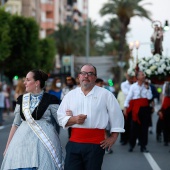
(157, 66)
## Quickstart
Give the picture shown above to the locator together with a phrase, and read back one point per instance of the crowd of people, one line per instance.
(91, 111)
(33, 141)
(7, 101)
(137, 99)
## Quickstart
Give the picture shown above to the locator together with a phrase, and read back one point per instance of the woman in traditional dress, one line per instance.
(33, 142)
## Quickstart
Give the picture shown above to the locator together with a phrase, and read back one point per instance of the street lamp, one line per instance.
(166, 26)
(133, 45)
(158, 23)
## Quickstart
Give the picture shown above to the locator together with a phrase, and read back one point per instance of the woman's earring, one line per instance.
(36, 88)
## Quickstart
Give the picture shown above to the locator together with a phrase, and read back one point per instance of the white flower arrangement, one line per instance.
(156, 65)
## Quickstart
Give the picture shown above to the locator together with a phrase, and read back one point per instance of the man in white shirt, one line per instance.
(140, 93)
(125, 87)
(92, 107)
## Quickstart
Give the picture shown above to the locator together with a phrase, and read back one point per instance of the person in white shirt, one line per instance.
(139, 94)
(125, 86)
(88, 109)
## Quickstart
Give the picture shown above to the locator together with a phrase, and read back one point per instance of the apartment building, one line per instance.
(31, 8)
(48, 13)
(13, 6)
(25, 8)
(54, 12)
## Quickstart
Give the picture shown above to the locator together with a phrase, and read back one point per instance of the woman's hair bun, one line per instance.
(44, 75)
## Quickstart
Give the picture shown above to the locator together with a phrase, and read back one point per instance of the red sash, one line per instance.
(129, 109)
(166, 103)
(83, 135)
(137, 103)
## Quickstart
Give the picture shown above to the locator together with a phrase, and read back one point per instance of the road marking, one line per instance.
(2, 127)
(5, 126)
(151, 161)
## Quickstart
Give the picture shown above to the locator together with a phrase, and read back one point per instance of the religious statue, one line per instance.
(156, 39)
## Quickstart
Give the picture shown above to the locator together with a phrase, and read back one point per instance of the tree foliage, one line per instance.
(24, 46)
(73, 42)
(47, 57)
(5, 38)
(20, 47)
(121, 12)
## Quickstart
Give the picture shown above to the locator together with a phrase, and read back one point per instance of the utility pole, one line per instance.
(87, 31)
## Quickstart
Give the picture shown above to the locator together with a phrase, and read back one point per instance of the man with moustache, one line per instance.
(88, 109)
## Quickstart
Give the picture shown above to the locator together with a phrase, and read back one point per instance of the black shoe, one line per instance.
(144, 150)
(130, 150)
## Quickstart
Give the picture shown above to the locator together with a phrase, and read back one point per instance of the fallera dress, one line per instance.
(26, 150)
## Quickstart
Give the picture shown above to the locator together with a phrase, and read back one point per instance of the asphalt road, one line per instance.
(158, 157)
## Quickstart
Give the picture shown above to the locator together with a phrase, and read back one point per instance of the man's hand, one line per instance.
(125, 112)
(146, 84)
(160, 114)
(79, 119)
(108, 142)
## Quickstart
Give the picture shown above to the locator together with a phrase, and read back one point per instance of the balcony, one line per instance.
(47, 6)
(48, 24)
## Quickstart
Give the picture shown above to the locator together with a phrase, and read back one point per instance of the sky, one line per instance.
(141, 28)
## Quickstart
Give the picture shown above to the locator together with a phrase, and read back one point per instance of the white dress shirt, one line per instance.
(125, 86)
(136, 92)
(99, 105)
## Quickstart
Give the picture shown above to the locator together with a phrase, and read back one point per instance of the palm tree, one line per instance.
(96, 38)
(70, 41)
(64, 39)
(121, 12)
